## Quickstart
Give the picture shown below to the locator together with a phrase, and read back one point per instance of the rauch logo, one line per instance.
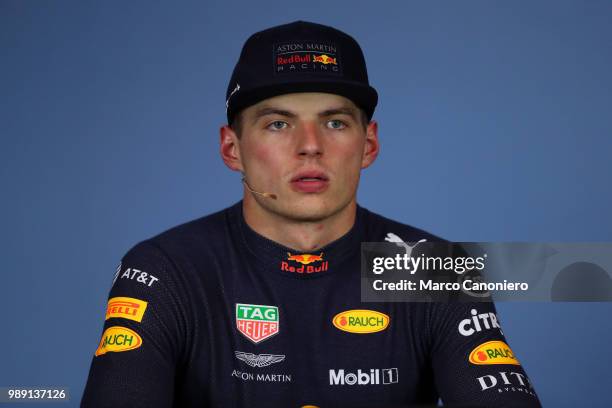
(493, 352)
(117, 338)
(361, 321)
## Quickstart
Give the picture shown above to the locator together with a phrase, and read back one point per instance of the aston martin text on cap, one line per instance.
(299, 57)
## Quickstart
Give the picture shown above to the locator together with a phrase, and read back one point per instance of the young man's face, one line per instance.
(306, 148)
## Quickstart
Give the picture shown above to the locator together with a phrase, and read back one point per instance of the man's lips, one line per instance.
(310, 175)
(310, 182)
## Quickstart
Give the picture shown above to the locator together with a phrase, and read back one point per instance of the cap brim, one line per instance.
(364, 96)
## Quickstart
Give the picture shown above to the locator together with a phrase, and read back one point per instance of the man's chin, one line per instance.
(310, 217)
(312, 211)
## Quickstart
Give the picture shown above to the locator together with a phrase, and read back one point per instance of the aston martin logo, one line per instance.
(259, 360)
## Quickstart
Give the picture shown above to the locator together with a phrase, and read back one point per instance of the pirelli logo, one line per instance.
(126, 308)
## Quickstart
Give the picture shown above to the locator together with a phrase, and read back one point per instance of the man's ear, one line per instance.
(229, 148)
(371, 146)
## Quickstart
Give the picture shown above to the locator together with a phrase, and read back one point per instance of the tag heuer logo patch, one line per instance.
(257, 322)
(259, 360)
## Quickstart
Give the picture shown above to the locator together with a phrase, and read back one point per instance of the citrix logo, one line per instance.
(469, 326)
(372, 377)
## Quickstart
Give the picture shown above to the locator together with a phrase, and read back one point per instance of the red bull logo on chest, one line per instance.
(302, 263)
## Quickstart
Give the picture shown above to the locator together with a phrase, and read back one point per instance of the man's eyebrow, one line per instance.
(264, 111)
(345, 110)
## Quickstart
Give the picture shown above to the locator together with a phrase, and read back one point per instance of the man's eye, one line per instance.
(278, 125)
(336, 124)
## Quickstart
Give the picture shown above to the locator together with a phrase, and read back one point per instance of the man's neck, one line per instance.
(303, 236)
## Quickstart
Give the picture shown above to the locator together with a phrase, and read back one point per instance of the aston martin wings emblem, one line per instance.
(259, 360)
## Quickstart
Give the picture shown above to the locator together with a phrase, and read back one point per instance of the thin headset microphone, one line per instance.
(263, 194)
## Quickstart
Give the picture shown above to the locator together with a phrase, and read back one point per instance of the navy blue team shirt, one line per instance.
(212, 314)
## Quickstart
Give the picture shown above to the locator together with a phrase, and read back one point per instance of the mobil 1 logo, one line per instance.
(374, 376)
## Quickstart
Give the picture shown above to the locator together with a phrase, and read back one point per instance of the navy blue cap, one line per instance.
(299, 57)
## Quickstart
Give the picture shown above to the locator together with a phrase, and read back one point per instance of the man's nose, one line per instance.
(310, 140)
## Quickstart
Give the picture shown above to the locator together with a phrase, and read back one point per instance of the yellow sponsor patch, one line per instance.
(126, 307)
(361, 321)
(493, 352)
(117, 338)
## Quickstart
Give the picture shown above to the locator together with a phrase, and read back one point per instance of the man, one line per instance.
(253, 306)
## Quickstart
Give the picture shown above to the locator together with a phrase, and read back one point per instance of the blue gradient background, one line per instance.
(494, 120)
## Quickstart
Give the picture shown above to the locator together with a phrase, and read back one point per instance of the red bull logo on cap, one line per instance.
(306, 56)
(293, 59)
(324, 59)
(305, 260)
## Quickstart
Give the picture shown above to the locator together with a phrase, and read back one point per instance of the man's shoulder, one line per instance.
(380, 228)
(198, 234)
(209, 225)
